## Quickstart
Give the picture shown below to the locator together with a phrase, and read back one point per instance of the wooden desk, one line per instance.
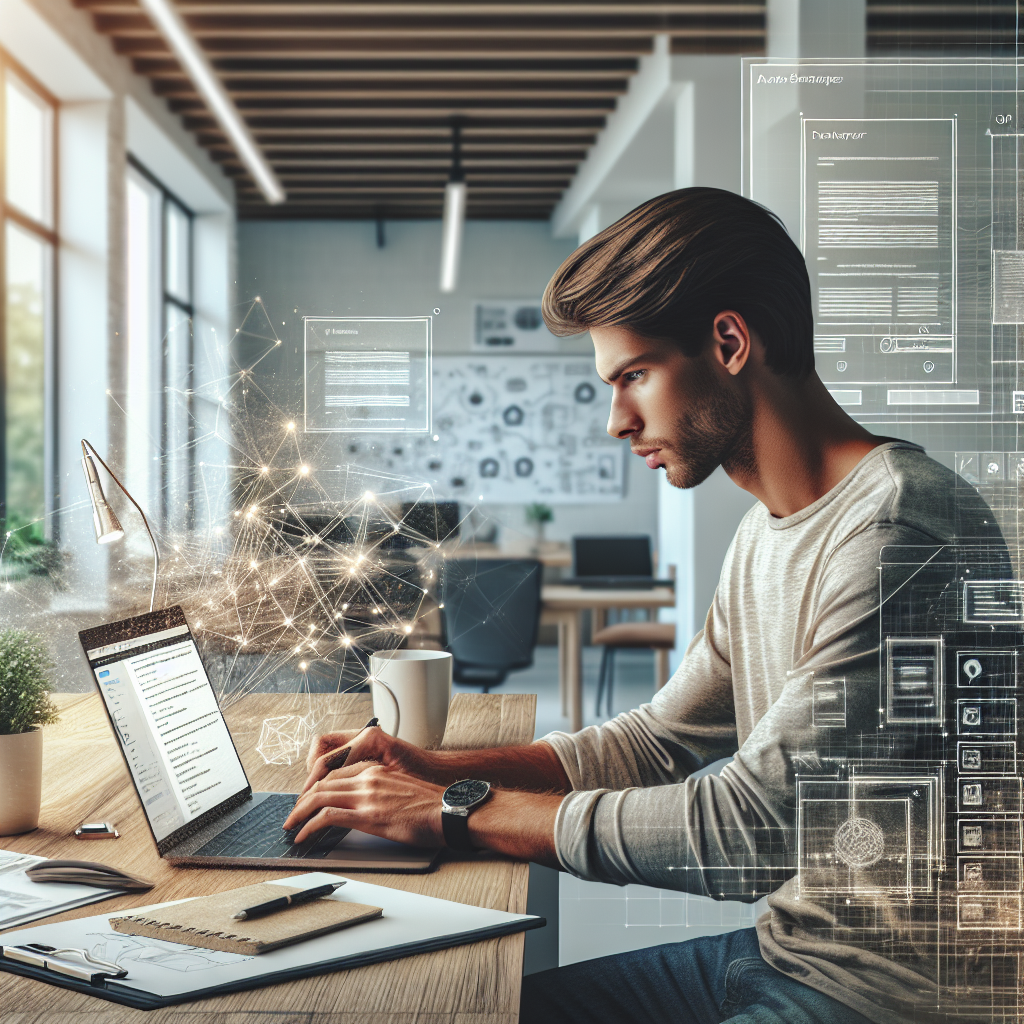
(85, 780)
(561, 606)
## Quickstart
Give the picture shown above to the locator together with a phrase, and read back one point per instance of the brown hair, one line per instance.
(666, 269)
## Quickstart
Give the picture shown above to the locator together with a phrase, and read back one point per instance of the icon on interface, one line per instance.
(972, 794)
(972, 715)
(973, 873)
(972, 836)
(972, 668)
(971, 760)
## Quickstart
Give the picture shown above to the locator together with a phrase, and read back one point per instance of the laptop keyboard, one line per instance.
(258, 833)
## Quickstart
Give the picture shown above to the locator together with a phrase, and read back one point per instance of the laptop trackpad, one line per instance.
(357, 846)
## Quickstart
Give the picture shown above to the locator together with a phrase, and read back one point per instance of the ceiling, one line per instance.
(353, 101)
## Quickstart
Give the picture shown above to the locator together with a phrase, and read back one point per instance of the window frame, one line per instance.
(166, 297)
(50, 234)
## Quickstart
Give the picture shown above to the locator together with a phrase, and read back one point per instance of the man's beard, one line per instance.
(715, 431)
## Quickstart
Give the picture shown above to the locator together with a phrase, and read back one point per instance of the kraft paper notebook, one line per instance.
(207, 922)
(161, 973)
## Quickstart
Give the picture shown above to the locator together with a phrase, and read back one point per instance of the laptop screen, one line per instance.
(166, 717)
(611, 556)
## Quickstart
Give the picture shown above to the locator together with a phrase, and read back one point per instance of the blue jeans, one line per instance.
(710, 980)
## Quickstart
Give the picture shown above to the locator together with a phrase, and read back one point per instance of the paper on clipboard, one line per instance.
(170, 971)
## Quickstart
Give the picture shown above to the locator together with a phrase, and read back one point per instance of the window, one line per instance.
(28, 208)
(160, 347)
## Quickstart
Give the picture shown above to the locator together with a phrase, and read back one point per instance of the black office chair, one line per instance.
(491, 613)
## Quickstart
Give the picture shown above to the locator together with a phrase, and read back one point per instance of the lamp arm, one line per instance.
(145, 521)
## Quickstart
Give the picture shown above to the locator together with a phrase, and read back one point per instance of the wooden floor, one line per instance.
(85, 780)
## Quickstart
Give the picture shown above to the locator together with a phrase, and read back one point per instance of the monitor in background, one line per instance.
(610, 561)
(436, 520)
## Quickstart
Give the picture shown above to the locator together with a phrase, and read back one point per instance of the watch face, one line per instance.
(466, 793)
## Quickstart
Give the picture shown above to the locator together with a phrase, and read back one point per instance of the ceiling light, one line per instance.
(198, 68)
(454, 216)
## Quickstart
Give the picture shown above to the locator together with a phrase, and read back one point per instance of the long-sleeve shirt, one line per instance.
(798, 600)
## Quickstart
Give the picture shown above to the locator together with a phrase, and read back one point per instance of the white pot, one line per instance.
(21, 781)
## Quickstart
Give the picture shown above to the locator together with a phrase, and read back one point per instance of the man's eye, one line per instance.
(634, 375)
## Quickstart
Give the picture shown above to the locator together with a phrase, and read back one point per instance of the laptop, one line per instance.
(613, 562)
(186, 771)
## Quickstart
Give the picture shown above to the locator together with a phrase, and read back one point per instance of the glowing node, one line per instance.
(287, 622)
(344, 607)
(368, 496)
(297, 649)
(441, 605)
(252, 565)
(407, 629)
(264, 469)
(303, 666)
(346, 642)
(289, 426)
(304, 470)
(436, 438)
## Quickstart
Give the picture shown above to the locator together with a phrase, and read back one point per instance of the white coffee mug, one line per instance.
(411, 694)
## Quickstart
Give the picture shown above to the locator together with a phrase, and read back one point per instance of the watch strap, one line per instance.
(456, 831)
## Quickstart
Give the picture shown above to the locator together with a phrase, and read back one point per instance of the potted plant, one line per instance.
(539, 515)
(25, 705)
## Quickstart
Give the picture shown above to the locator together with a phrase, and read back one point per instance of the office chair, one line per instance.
(491, 613)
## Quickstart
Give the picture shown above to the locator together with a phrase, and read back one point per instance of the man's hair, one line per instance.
(666, 269)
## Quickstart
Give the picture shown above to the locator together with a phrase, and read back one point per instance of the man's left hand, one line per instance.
(374, 798)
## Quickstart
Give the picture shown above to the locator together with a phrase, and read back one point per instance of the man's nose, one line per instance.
(623, 420)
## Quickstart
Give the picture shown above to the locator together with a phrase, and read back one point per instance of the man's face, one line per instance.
(689, 415)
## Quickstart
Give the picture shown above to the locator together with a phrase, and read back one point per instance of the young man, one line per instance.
(699, 307)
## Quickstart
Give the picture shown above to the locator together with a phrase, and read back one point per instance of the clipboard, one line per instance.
(410, 924)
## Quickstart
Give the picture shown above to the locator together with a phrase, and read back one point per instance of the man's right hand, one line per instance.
(372, 744)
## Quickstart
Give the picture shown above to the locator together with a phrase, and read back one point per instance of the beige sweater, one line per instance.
(797, 596)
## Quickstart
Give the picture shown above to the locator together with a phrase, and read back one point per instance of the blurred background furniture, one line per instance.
(491, 613)
(659, 636)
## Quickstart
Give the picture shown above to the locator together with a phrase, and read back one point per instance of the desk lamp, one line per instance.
(108, 528)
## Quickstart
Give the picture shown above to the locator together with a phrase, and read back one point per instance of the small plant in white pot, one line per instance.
(25, 705)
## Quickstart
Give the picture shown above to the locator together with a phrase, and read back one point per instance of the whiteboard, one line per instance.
(511, 429)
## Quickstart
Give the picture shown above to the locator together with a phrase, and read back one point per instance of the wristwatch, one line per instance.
(458, 800)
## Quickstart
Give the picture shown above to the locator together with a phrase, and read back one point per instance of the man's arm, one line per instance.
(385, 801)
(536, 767)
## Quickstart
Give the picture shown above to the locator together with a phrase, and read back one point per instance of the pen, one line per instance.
(338, 759)
(296, 898)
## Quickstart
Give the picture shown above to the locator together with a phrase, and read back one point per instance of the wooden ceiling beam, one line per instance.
(295, 26)
(441, 93)
(355, 118)
(397, 70)
(402, 8)
(397, 48)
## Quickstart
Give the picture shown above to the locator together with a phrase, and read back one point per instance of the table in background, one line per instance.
(85, 779)
(561, 606)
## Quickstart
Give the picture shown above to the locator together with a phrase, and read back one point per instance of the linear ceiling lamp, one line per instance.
(454, 216)
(179, 39)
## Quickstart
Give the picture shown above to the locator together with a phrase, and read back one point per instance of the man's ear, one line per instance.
(731, 341)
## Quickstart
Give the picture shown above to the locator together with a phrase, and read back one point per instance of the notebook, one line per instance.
(207, 922)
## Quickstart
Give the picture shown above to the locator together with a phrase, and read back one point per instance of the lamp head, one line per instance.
(108, 528)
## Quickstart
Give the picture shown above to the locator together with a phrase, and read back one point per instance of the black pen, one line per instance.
(296, 898)
(338, 759)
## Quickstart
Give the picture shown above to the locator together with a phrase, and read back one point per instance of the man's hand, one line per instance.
(372, 744)
(375, 798)
(385, 801)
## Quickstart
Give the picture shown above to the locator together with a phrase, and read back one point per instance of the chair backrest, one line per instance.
(492, 610)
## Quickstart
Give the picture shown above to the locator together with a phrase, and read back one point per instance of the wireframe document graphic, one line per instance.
(899, 179)
(367, 374)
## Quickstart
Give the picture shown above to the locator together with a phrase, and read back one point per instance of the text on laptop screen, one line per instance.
(170, 726)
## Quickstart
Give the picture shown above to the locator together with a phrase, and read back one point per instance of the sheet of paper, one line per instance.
(22, 900)
(169, 969)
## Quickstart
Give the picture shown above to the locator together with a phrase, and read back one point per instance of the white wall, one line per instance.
(303, 268)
